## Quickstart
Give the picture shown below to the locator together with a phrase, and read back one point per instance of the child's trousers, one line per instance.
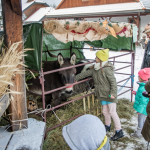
(141, 120)
(109, 111)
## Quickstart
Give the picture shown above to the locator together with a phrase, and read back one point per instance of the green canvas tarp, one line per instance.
(32, 34)
(115, 44)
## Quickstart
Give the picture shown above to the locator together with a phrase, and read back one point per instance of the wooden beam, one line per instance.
(13, 32)
(135, 19)
(97, 16)
(138, 26)
(16, 6)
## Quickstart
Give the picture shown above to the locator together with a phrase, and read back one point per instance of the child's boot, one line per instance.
(137, 134)
(107, 128)
(118, 135)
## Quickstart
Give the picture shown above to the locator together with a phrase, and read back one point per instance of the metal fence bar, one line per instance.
(125, 86)
(123, 67)
(48, 92)
(122, 80)
(69, 101)
(125, 92)
(120, 62)
(121, 55)
(55, 50)
(64, 122)
(56, 70)
(69, 120)
(123, 73)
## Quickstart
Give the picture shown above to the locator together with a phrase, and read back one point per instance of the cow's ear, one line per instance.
(73, 59)
(60, 59)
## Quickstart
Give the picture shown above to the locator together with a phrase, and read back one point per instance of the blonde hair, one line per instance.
(101, 65)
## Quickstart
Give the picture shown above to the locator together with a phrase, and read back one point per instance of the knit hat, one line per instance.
(147, 28)
(103, 55)
(144, 74)
(85, 133)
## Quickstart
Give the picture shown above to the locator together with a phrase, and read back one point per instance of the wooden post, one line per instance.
(97, 106)
(93, 102)
(84, 104)
(13, 32)
(88, 98)
(138, 26)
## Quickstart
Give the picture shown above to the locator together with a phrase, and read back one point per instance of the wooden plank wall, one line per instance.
(79, 3)
(33, 9)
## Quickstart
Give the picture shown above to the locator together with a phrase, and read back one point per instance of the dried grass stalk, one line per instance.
(10, 59)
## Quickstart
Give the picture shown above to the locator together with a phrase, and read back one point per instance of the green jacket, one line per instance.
(105, 83)
(141, 102)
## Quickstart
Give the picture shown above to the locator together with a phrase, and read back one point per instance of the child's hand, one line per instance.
(112, 97)
(138, 113)
(133, 92)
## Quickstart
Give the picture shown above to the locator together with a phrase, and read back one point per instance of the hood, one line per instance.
(85, 133)
(109, 64)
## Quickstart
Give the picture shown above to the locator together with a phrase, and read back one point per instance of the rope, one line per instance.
(132, 79)
(48, 107)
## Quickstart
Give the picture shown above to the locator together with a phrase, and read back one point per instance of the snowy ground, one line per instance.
(128, 143)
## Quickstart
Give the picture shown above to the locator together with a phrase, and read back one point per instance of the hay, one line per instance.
(10, 60)
(55, 139)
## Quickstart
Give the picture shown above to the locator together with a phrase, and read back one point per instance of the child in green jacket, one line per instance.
(141, 102)
(105, 90)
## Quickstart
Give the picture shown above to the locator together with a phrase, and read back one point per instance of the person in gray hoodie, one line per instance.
(86, 133)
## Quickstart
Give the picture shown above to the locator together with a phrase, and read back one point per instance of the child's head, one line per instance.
(144, 74)
(147, 30)
(102, 55)
(84, 133)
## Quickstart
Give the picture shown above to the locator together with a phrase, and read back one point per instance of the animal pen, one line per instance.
(114, 31)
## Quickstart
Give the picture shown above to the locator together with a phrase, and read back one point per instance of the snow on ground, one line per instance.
(126, 143)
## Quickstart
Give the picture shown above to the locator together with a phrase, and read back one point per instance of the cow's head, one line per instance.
(67, 76)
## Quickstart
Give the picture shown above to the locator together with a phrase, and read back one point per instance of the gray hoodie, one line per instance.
(85, 133)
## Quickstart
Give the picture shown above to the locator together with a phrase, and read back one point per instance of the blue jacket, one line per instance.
(141, 102)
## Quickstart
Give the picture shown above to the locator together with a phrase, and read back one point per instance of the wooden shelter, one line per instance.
(79, 3)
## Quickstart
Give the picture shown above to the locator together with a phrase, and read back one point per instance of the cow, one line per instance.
(56, 79)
